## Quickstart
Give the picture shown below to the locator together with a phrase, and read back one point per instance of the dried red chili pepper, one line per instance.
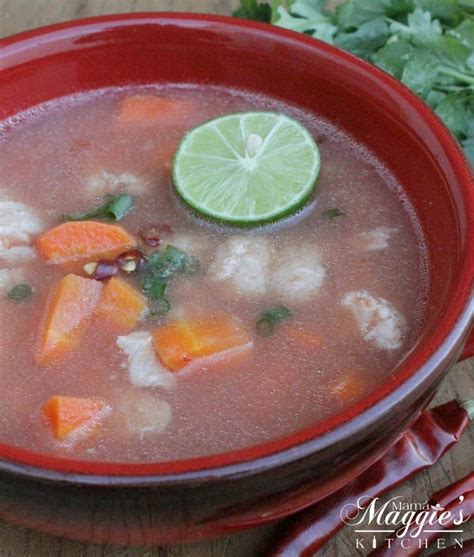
(433, 433)
(448, 500)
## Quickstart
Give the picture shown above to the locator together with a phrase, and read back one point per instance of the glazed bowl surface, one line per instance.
(184, 500)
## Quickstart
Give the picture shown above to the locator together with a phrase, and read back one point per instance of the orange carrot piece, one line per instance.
(121, 304)
(150, 108)
(84, 241)
(71, 305)
(349, 388)
(66, 414)
(180, 343)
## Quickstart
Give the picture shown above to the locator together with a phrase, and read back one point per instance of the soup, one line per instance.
(165, 336)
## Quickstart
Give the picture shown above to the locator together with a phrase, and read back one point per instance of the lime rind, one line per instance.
(215, 176)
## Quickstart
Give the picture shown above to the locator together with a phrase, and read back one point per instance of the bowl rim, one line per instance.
(416, 369)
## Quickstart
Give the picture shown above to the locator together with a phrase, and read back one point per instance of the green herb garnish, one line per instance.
(253, 9)
(271, 317)
(165, 265)
(332, 214)
(160, 268)
(114, 207)
(154, 288)
(427, 44)
(20, 292)
(159, 307)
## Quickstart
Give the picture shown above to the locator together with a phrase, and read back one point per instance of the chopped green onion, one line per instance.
(334, 213)
(271, 317)
(114, 207)
(20, 292)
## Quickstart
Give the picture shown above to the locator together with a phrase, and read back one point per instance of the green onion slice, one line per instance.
(20, 292)
(113, 207)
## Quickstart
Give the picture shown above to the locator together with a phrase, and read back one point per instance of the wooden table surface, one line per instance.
(19, 15)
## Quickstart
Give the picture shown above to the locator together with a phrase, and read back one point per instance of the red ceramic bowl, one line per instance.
(177, 501)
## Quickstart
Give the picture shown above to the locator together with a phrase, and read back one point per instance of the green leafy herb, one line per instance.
(334, 213)
(270, 318)
(20, 292)
(153, 287)
(165, 265)
(427, 44)
(114, 207)
(252, 9)
(160, 268)
(159, 307)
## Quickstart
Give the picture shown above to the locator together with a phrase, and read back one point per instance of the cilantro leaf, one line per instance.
(420, 28)
(421, 72)
(468, 142)
(308, 8)
(303, 17)
(368, 38)
(252, 9)
(451, 50)
(465, 32)
(160, 268)
(447, 11)
(354, 13)
(394, 55)
(452, 110)
(468, 146)
(434, 97)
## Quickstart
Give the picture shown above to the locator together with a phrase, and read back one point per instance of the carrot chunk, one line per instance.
(149, 108)
(72, 303)
(84, 240)
(349, 388)
(121, 304)
(66, 414)
(180, 343)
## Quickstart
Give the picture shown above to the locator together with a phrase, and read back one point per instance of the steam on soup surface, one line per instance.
(105, 369)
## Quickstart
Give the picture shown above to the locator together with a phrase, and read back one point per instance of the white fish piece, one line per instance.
(379, 322)
(108, 183)
(17, 255)
(10, 278)
(243, 261)
(22, 217)
(144, 368)
(11, 235)
(143, 413)
(19, 223)
(377, 239)
(298, 274)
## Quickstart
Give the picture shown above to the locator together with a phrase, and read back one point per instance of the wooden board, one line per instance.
(19, 15)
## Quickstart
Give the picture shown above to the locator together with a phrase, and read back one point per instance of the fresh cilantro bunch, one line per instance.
(427, 44)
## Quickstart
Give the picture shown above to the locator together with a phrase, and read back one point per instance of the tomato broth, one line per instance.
(350, 269)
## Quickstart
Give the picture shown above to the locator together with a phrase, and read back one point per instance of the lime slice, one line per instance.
(247, 168)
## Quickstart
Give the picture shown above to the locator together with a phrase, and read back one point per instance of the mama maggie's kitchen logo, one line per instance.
(408, 525)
